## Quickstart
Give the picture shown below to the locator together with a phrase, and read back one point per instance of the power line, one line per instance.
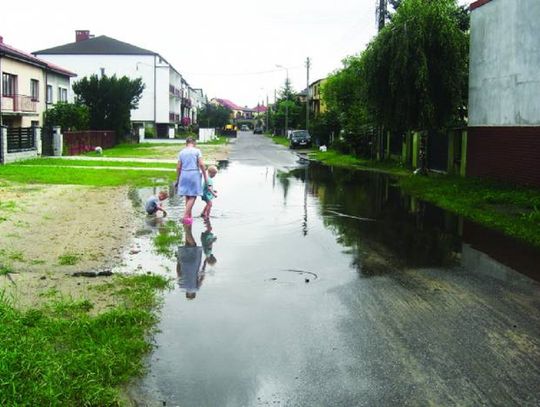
(239, 73)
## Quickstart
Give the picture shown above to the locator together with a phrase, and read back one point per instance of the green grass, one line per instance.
(168, 238)
(334, 158)
(142, 150)
(61, 355)
(510, 209)
(94, 163)
(284, 141)
(513, 210)
(5, 270)
(68, 259)
(31, 174)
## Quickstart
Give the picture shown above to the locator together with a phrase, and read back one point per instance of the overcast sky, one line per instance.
(228, 48)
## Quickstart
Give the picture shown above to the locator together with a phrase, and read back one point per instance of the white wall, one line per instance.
(57, 81)
(162, 96)
(132, 66)
(504, 83)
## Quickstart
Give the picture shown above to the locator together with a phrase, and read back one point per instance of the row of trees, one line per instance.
(412, 76)
(103, 103)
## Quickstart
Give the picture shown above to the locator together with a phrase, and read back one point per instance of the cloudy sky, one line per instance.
(228, 48)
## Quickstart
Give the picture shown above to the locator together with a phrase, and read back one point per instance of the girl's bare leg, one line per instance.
(190, 201)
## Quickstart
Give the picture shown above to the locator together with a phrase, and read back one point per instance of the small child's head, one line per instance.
(212, 171)
(211, 260)
(163, 195)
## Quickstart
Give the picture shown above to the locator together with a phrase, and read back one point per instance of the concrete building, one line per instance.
(504, 91)
(165, 101)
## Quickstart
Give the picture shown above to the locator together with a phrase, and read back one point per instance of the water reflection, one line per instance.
(207, 240)
(386, 229)
(188, 265)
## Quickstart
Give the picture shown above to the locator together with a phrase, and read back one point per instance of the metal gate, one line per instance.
(47, 142)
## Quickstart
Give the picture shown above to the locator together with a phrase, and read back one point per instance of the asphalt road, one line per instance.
(284, 317)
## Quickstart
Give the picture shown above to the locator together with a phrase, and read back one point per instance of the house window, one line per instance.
(62, 94)
(49, 94)
(34, 89)
(8, 84)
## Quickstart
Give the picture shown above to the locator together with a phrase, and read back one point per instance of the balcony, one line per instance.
(18, 104)
(174, 118)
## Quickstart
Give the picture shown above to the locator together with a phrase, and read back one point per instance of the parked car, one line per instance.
(244, 127)
(258, 130)
(299, 138)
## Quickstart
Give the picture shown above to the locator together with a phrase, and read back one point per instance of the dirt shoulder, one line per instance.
(47, 232)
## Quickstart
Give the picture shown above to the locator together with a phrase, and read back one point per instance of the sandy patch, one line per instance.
(48, 232)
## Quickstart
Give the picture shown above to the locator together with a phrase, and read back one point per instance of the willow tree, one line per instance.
(416, 68)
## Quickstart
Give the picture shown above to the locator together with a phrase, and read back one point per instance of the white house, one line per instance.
(162, 103)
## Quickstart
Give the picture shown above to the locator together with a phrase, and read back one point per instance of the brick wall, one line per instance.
(509, 154)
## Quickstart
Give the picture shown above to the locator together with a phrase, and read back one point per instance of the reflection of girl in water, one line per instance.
(207, 241)
(188, 265)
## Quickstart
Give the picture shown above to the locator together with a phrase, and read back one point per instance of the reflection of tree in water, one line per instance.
(407, 232)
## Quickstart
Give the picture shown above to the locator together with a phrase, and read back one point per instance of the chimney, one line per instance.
(81, 35)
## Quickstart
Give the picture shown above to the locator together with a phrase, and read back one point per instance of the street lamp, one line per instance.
(286, 102)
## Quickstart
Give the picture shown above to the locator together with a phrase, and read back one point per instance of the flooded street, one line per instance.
(329, 287)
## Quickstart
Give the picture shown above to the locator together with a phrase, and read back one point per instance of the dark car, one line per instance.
(258, 130)
(299, 138)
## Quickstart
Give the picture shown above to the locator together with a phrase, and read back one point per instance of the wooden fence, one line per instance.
(78, 142)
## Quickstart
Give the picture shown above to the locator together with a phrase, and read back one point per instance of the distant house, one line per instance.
(316, 102)
(166, 101)
(239, 113)
(29, 85)
(504, 91)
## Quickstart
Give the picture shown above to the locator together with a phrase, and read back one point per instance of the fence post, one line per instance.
(37, 140)
(3, 144)
(58, 141)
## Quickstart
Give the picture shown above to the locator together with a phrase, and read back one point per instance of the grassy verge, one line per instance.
(284, 141)
(155, 150)
(61, 355)
(510, 209)
(32, 174)
(334, 158)
(59, 162)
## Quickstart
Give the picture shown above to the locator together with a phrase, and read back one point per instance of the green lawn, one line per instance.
(34, 174)
(61, 355)
(284, 141)
(157, 151)
(508, 208)
(59, 162)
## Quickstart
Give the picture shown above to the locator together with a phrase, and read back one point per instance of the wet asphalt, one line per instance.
(331, 288)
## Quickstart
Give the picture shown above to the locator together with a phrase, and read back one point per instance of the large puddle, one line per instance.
(321, 286)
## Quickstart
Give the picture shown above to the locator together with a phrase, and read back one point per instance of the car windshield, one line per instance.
(300, 134)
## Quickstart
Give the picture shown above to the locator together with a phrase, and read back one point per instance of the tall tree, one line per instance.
(110, 101)
(214, 116)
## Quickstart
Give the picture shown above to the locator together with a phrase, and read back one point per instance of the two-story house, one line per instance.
(29, 85)
(165, 95)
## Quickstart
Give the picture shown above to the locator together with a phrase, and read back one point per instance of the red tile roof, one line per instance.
(228, 104)
(18, 54)
(260, 109)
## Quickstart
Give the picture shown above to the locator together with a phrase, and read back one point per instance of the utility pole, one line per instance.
(308, 65)
(267, 112)
(382, 11)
